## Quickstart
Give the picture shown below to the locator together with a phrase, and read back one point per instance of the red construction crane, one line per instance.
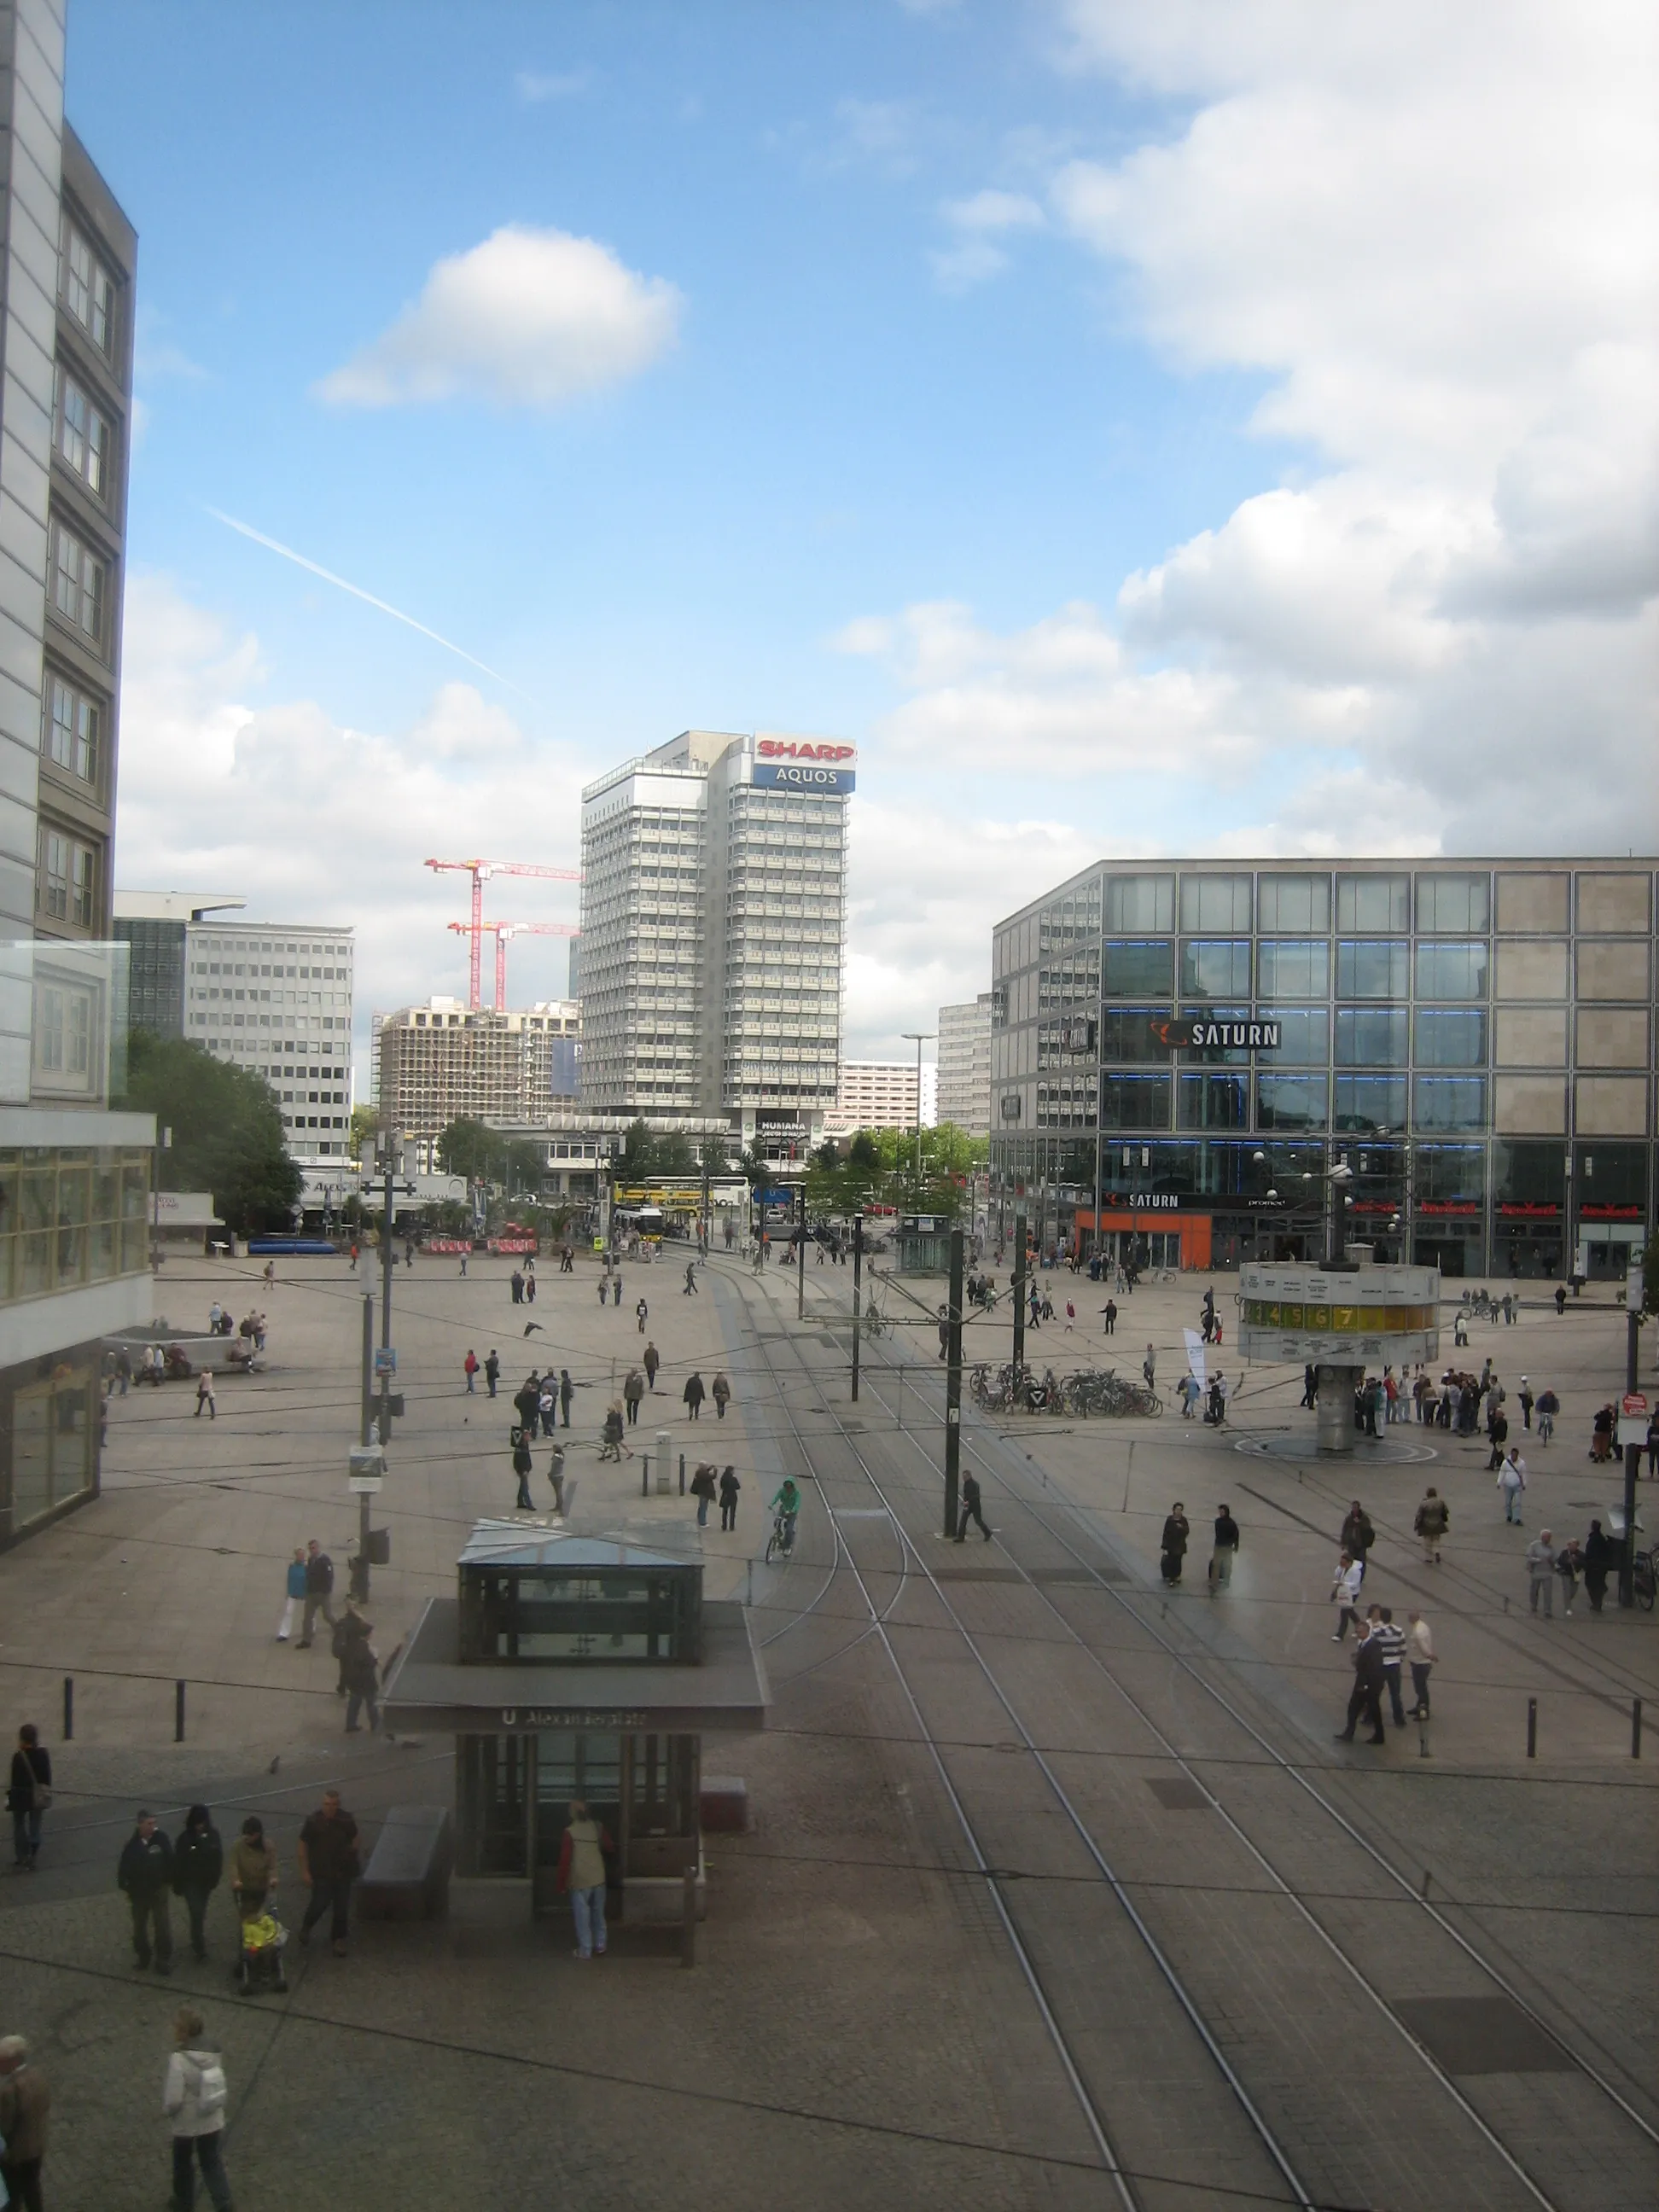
(480, 870)
(500, 931)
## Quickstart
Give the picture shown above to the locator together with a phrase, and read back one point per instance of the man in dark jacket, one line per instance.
(1225, 1549)
(328, 1866)
(319, 1589)
(361, 1669)
(970, 1511)
(146, 1874)
(528, 1400)
(25, 2103)
(1368, 1685)
(693, 1394)
(1600, 1555)
(567, 1392)
(493, 1371)
(1358, 1535)
(1173, 1544)
(198, 1860)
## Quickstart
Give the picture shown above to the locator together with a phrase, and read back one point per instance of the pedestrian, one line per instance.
(1419, 1655)
(145, 1873)
(204, 1395)
(970, 1511)
(360, 1670)
(530, 1290)
(555, 1476)
(464, 1257)
(354, 1259)
(729, 1488)
(319, 1590)
(691, 1290)
(603, 1287)
(1310, 1387)
(1225, 1549)
(702, 1489)
(527, 1399)
(1108, 1313)
(547, 1405)
(1070, 1318)
(1391, 1640)
(516, 1280)
(633, 1393)
(269, 1270)
(198, 1860)
(521, 1466)
(1548, 1407)
(470, 1369)
(652, 1360)
(194, 2097)
(1176, 1529)
(329, 1864)
(1568, 1565)
(1357, 1536)
(1527, 1401)
(1498, 1428)
(252, 1867)
(693, 1394)
(582, 1875)
(1601, 1434)
(1433, 1519)
(1653, 1444)
(944, 1331)
(1512, 1481)
(1367, 1694)
(1208, 1313)
(1540, 1571)
(611, 1445)
(25, 2107)
(294, 1590)
(567, 1392)
(492, 1371)
(1345, 1592)
(1600, 1555)
(720, 1390)
(641, 1311)
(28, 1795)
(1148, 1366)
(616, 1291)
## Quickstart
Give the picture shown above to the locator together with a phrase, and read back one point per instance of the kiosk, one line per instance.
(572, 1667)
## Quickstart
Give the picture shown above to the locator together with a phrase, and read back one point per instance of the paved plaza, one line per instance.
(859, 2028)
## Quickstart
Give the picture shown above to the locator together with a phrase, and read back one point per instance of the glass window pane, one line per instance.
(1373, 902)
(1290, 1102)
(1216, 968)
(1453, 903)
(1450, 1176)
(1134, 1102)
(1372, 972)
(1304, 1035)
(1293, 971)
(1449, 1101)
(1452, 1036)
(1367, 1103)
(1215, 902)
(1294, 902)
(1138, 969)
(1140, 902)
(1217, 1055)
(1125, 1035)
(1371, 1037)
(1213, 1102)
(1451, 971)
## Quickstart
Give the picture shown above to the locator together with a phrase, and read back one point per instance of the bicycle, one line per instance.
(780, 1544)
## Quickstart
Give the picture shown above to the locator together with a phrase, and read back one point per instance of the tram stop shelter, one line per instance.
(577, 1667)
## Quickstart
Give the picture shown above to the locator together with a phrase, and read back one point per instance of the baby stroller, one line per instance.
(259, 1958)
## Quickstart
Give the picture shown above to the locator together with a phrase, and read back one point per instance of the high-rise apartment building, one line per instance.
(881, 1094)
(964, 1065)
(714, 901)
(445, 1061)
(275, 997)
(67, 260)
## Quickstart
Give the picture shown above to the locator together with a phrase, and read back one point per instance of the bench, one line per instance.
(407, 1877)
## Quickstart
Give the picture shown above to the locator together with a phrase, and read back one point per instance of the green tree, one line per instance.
(638, 1156)
(713, 1157)
(227, 1130)
(365, 1122)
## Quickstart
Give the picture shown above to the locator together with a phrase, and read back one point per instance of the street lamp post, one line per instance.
(919, 1037)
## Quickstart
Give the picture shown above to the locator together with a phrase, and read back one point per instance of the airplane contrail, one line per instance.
(275, 545)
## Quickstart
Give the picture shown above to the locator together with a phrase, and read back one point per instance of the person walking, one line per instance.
(361, 1671)
(1173, 1544)
(1366, 1696)
(702, 1489)
(1357, 1536)
(567, 1392)
(470, 1369)
(1345, 1592)
(1108, 1314)
(555, 1476)
(319, 1591)
(198, 1860)
(1653, 1444)
(730, 1487)
(1149, 1367)
(25, 2109)
(1569, 1565)
(720, 1390)
(582, 1855)
(1207, 1314)
(1498, 1428)
(1526, 1401)
(1419, 1657)
(28, 1795)
(610, 1434)
(616, 1291)
(521, 1465)
(527, 1402)
(193, 2096)
(693, 1394)
(464, 1266)
(492, 1371)
(1224, 1551)
(204, 1395)
(691, 1290)
(641, 1313)
(1391, 1641)
(1310, 1387)
(1512, 1481)
(1540, 1572)
(1432, 1521)
(1548, 1407)
(329, 1864)
(530, 1290)
(516, 1282)
(652, 1359)
(1601, 1556)
(145, 1873)
(633, 1394)
(970, 1511)
(294, 1592)
(252, 1867)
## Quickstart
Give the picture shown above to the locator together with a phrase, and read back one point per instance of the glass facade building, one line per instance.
(1474, 1039)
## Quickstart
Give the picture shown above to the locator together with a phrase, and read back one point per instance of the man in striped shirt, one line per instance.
(1392, 1637)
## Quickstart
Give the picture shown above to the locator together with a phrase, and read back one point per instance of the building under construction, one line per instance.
(444, 1061)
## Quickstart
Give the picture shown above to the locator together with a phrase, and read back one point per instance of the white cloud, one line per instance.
(535, 85)
(979, 221)
(528, 318)
(314, 821)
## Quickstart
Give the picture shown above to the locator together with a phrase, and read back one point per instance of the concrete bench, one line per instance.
(407, 1877)
(725, 1805)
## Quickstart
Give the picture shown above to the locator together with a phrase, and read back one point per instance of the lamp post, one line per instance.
(919, 1037)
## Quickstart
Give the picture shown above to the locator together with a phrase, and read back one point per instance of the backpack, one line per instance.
(211, 2089)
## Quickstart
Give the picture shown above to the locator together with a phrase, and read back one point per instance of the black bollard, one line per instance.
(177, 1712)
(1636, 1728)
(69, 1708)
(1532, 1727)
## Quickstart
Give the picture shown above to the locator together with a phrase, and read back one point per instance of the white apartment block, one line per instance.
(446, 1061)
(964, 1065)
(276, 998)
(881, 1094)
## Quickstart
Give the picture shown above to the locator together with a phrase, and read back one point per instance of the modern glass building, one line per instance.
(1473, 1039)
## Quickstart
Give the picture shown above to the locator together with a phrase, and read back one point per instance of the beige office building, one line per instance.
(964, 1065)
(445, 1061)
(879, 1094)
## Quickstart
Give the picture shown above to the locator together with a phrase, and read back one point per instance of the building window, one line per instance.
(1294, 902)
(73, 728)
(54, 875)
(69, 879)
(1213, 1102)
(1454, 904)
(1219, 969)
(1372, 972)
(1290, 1102)
(1137, 969)
(1452, 1036)
(1140, 902)
(1450, 1103)
(1304, 1034)
(1365, 1103)
(89, 289)
(1215, 902)
(1126, 1033)
(1451, 971)
(1373, 1036)
(79, 583)
(1373, 902)
(1294, 970)
(83, 885)
(82, 432)
(1134, 1102)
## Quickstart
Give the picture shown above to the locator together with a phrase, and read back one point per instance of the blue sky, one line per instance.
(1061, 402)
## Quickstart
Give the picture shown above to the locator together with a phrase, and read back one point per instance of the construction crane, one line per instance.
(500, 931)
(480, 870)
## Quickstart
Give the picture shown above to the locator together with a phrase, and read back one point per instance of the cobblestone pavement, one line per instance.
(857, 2029)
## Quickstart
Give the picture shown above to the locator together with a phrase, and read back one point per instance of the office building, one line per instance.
(1182, 1050)
(444, 1062)
(964, 1065)
(881, 1094)
(275, 997)
(153, 926)
(713, 920)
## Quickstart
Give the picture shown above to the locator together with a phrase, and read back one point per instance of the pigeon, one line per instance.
(532, 1328)
(275, 1763)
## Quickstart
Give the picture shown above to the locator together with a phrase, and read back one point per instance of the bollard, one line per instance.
(1423, 1752)
(69, 1708)
(689, 1919)
(177, 1712)
(749, 1597)
(682, 1474)
(1532, 1727)
(1636, 1728)
(645, 1478)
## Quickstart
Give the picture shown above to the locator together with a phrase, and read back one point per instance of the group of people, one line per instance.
(1177, 1535)
(309, 1584)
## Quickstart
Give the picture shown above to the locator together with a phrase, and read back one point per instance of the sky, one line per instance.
(1222, 426)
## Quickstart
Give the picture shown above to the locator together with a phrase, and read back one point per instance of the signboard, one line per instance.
(1345, 1317)
(363, 1485)
(447, 1244)
(1078, 1033)
(1633, 1421)
(1185, 1034)
(1634, 1403)
(512, 1244)
(385, 1359)
(778, 1194)
(1011, 1106)
(812, 765)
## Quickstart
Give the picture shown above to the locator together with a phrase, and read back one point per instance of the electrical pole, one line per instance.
(801, 1251)
(1019, 1292)
(919, 1037)
(953, 1387)
(858, 1280)
(1632, 1455)
(364, 1430)
(388, 1261)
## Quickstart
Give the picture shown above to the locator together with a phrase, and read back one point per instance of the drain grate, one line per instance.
(1177, 1794)
(1482, 2035)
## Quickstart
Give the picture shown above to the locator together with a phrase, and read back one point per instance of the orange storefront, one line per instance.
(1194, 1229)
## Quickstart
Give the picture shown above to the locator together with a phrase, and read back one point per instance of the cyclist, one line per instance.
(786, 1505)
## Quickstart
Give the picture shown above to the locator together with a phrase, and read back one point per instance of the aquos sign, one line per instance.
(806, 764)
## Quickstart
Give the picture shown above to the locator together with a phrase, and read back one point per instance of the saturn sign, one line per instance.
(1196, 1034)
